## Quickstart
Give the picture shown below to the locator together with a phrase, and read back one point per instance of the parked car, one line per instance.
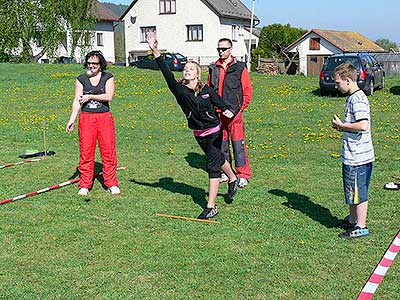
(371, 75)
(119, 63)
(175, 61)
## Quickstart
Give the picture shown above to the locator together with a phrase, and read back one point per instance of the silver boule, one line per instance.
(89, 73)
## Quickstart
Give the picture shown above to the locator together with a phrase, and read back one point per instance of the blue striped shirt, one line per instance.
(357, 148)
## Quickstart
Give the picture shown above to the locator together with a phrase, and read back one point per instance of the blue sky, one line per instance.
(373, 19)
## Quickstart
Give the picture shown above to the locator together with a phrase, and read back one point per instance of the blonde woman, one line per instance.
(198, 102)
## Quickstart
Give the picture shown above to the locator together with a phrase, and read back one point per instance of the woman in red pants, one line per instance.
(94, 91)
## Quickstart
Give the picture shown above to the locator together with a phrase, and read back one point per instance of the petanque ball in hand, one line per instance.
(89, 73)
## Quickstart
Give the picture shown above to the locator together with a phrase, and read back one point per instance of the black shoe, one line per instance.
(346, 224)
(232, 188)
(208, 213)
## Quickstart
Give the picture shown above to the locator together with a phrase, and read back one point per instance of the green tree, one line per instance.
(274, 39)
(25, 24)
(386, 44)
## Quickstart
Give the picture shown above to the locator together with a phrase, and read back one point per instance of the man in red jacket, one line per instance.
(231, 80)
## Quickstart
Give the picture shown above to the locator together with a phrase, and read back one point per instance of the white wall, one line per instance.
(172, 30)
(108, 48)
(303, 47)
(240, 49)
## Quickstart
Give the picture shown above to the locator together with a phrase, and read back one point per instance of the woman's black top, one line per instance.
(199, 107)
(95, 106)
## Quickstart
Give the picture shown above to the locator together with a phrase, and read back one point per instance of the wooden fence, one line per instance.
(390, 61)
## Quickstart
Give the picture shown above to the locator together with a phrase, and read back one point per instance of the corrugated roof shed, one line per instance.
(348, 41)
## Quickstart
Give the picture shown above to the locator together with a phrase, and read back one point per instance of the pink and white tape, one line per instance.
(20, 163)
(380, 271)
(53, 187)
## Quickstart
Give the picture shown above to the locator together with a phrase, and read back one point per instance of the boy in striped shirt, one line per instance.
(357, 151)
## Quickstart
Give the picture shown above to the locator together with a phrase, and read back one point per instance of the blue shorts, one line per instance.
(356, 182)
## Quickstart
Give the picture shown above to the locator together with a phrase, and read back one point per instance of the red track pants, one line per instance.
(233, 129)
(95, 127)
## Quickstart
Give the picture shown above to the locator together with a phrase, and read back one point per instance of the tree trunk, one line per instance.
(26, 53)
(35, 58)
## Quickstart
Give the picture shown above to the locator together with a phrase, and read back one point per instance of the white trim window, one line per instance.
(194, 32)
(235, 32)
(144, 31)
(99, 38)
(167, 7)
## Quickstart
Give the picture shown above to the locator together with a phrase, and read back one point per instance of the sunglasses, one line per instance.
(92, 63)
(223, 49)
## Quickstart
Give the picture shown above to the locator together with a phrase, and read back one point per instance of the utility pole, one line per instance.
(250, 35)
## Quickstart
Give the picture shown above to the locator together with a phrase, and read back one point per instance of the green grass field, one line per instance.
(277, 240)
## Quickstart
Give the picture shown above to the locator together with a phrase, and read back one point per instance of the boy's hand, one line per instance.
(337, 123)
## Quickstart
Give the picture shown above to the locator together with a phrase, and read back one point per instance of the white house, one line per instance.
(316, 45)
(190, 27)
(102, 38)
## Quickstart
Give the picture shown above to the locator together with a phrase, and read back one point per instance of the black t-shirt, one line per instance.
(95, 106)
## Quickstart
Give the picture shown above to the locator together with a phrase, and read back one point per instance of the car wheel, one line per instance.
(370, 90)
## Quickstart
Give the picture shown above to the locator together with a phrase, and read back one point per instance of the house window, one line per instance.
(235, 32)
(100, 39)
(144, 31)
(194, 32)
(315, 43)
(167, 6)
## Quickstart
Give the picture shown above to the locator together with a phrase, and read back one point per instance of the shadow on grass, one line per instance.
(395, 90)
(196, 160)
(303, 204)
(199, 161)
(337, 94)
(167, 183)
(98, 167)
(316, 92)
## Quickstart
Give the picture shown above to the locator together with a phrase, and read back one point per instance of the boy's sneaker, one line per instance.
(243, 182)
(114, 190)
(232, 188)
(354, 233)
(83, 192)
(223, 178)
(346, 224)
(208, 212)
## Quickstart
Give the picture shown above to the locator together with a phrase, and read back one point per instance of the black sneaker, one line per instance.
(208, 213)
(232, 188)
(346, 224)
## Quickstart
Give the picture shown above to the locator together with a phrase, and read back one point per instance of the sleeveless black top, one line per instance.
(95, 106)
